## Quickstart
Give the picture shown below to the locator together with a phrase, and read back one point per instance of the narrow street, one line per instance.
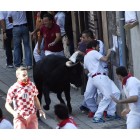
(7, 78)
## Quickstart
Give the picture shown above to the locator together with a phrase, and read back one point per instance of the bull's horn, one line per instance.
(74, 56)
(70, 64)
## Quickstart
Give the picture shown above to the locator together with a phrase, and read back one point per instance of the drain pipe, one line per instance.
(122, 48)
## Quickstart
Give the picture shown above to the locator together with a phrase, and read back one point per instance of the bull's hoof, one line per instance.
(70, 110)
(45, 107)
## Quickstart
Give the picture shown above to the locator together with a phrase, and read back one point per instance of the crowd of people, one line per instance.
(15, 28)
(52, 38)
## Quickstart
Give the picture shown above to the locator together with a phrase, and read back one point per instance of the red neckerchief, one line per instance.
(125, 79)
(88, 50)
(23, 83)
(64, 122)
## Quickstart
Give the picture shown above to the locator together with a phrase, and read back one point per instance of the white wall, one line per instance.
(135, 44)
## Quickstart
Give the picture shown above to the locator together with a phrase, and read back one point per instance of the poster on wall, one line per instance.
(115, 48)
(115, 43)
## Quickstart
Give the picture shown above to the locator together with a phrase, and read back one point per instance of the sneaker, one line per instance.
(45, 107)
(97, 120)
(84, 109)
(16, 67)
(10, 66)
(91, 114)
(110, 117)
(117, 116)
(29, 67)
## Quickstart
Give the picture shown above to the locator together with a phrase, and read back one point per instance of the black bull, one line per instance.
(54, 74)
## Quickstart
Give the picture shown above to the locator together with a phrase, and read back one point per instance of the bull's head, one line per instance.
(74, 59)
(76, 69)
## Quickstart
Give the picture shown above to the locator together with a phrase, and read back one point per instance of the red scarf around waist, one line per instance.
(125, 78)
(64, 122)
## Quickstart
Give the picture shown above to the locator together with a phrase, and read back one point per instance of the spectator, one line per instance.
(62, 115)
(69, 31)
(23, 94)
(4, 123)
(39, 23)
(60, 21)
(52, 37)
(8, 37)
(20, 32)
(130, 20)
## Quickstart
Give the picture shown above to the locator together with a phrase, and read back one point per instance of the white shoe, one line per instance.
(9, 66)
(29, 67)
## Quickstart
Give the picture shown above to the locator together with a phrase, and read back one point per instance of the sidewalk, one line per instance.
(7, 78)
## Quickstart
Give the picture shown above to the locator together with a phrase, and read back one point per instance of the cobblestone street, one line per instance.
(7, 78)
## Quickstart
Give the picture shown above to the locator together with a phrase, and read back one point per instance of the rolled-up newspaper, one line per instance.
(113, 49)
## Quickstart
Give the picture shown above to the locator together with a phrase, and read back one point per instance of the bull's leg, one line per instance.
(39, 87)
(60, 98)
(46, 93)
(40, 93)
(68, 98)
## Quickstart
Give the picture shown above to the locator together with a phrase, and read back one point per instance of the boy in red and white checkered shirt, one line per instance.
(23, 95)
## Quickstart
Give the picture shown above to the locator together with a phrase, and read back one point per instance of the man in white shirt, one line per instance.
(131, 87)
(62, 115)
(20, 32)
(89, 104)
(94, 68)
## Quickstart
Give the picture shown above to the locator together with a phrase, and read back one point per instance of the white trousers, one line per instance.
(107, 88)
(38, 57)
(133, 120)
(55, 53)
(89, 96)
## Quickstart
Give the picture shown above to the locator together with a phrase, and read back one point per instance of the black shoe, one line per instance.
(84, 109)
(45, 107)
(98, 120)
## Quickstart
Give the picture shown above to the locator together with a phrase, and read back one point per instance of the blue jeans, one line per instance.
(21, 33)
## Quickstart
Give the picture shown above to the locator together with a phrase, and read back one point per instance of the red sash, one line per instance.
(125, 78)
